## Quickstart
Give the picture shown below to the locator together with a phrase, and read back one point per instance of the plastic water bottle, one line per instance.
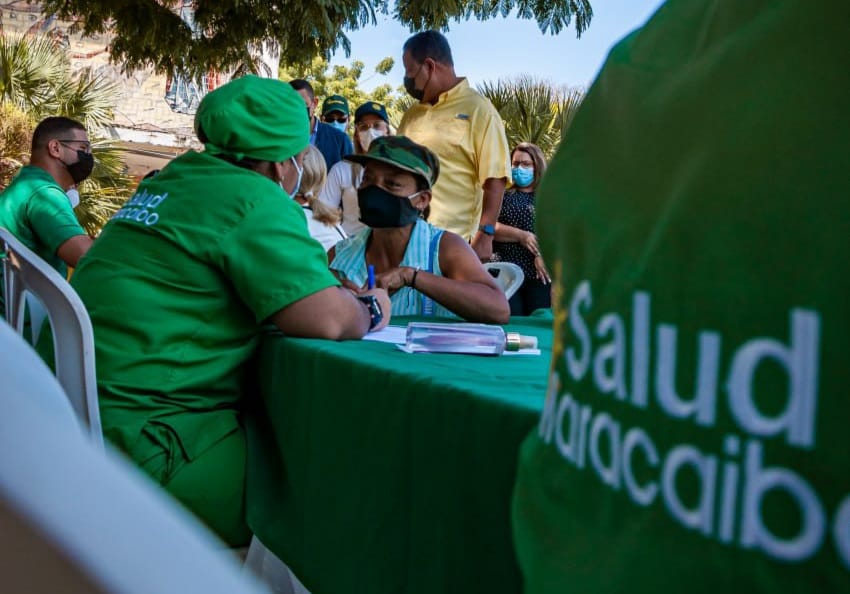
(471, 339)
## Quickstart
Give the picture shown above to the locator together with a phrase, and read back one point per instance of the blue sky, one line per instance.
(504, 48)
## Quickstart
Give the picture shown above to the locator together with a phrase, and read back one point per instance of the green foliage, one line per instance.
(31, 71)
(36, 82)
(16, 128)
(151, 33)
(551, 15)
(35, 76)
(385, 65)
(533, 111)
(87, 98)
(329, 80)
(108, 188)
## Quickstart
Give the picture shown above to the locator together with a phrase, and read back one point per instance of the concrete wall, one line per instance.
(142, 103)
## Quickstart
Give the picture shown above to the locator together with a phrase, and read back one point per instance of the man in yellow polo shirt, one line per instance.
(466, 132)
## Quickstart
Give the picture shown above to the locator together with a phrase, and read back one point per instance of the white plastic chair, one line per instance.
(78, 518)
(509, 276)
(27, 274)
(271, 570)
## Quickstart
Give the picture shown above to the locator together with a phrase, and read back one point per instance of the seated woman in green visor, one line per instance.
(426, 270)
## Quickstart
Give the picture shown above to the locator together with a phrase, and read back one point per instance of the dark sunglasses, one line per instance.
(330, 118)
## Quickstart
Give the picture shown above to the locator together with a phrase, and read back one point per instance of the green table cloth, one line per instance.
(372, 470)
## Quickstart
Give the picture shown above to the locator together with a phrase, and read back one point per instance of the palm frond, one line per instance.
(532, 110)
(88, 98)
(16, 128)
(108, 188)
(35, 82)
(30, 70)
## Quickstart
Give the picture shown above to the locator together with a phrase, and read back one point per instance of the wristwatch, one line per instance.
(487, 229)
(375, 313)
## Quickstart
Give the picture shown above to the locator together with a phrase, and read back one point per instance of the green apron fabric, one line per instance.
(212, 485)
(177, 286)
(694, 437)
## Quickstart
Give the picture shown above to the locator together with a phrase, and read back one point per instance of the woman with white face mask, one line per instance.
(322, 220)
(515, 240)
(340, 191)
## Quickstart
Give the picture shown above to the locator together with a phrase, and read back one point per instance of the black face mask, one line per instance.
(82, 168)
(410, 87)
(380, 209)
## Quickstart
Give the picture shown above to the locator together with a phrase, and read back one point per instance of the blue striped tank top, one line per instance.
(423, 251)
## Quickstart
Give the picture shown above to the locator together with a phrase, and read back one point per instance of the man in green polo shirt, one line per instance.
(694, 436)
(180, 281)
(35, 207)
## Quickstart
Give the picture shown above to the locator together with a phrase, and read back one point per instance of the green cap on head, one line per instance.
(259, 118)
(373, 108)
(404, 154)
(335, 103)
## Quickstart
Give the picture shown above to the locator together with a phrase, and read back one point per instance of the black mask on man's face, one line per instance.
(410, 85)
(81, 168)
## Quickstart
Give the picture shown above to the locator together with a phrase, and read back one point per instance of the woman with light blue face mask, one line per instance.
(515, 240)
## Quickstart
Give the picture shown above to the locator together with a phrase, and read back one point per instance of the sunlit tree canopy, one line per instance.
(151, 32)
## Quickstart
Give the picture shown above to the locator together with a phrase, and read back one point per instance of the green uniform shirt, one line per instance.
(695, 432)
(36, 210)
(177, 286)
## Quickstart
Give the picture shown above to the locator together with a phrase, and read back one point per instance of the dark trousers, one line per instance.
(531, 295)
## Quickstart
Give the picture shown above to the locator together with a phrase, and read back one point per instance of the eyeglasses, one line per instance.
(363, 126)
(67, 141)
(340, 119)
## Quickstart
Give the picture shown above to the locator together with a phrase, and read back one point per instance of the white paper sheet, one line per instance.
(390, 334)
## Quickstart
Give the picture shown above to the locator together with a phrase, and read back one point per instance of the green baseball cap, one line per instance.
(260, 118)
(373, 108)
(403, 153)
(335, 103)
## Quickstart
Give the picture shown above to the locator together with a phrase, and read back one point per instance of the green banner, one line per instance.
(694, 437)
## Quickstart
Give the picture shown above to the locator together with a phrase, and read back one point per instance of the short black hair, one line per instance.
(429, 44)
(53, 128)
(421, 183)
(299, 84)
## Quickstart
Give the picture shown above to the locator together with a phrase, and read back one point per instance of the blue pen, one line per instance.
(370, 270)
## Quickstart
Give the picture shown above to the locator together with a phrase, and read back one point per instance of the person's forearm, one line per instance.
(73, 249)
(482, 243)
(333, 313)
(471, 301)
(508, 234)
(358, 318)
(494, 189)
